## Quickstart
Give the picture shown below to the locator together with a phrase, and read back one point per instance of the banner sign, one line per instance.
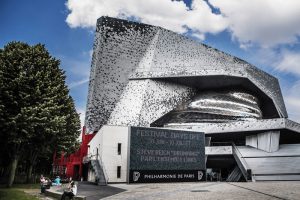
(164, 155)
(156, 176)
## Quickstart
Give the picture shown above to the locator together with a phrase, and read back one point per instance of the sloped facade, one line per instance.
(142, 75)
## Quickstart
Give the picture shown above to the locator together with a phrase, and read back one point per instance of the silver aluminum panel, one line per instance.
(127, 55)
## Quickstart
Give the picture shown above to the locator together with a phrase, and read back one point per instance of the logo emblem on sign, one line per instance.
(200, 175)
(136, 176)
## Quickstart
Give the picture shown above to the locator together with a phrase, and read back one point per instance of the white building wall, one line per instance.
(218, 150)
(251, 140)
(267, 141)
(91, 176)
(95, 143)
(106, 140)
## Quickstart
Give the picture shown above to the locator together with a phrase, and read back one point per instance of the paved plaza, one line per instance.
(211, 191)
(86, 190)
(284, 190)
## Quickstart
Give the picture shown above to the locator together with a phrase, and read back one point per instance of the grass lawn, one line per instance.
(26, 186)
(16, 193)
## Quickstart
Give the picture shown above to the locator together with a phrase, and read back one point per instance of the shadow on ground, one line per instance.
(95, 192)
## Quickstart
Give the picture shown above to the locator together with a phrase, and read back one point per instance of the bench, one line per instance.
(52, 192)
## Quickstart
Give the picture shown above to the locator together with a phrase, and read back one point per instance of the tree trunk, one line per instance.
(31, 161)
(14, 164)
(29, 173)
(7, 170)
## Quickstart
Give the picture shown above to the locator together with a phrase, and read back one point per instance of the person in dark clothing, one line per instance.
(43, 184)
(71, 192)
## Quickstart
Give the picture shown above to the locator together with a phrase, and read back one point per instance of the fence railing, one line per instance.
(220, 143)
(99, 159)
(103, 168)
(245, 169)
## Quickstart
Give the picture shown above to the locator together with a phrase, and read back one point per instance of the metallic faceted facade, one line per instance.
(147, 76)
(141, 73)
(216, 106)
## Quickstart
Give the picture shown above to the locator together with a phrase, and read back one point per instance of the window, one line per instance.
(119, 148)
(119, 172)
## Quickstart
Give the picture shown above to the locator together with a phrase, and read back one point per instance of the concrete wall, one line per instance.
(268, 141)
(218, 150)
(106, 140)
(280, 165)
(251, 140)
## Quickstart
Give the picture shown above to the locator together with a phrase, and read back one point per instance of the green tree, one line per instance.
(37, 114)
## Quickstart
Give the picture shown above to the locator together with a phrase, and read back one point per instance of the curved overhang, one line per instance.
(272, 106)
(178, 59)
(290, 130)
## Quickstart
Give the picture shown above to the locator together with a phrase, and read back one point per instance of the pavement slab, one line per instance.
(212, 191)
(91, 191)
(283, 190)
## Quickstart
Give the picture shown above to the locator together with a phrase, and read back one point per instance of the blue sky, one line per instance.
(41, 21)
(264, 33)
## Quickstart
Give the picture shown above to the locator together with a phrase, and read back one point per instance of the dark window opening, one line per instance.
(119, 148)
(119, 172)
(97, 153)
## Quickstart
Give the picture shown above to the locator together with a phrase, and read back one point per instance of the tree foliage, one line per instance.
(37, 114)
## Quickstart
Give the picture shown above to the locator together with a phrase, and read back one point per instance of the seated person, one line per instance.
(71, 192)
(57, 181)
(42, 183)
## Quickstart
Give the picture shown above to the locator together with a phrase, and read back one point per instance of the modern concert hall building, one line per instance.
(149, 77)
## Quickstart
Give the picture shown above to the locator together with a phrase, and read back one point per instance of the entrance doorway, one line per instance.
(76, 172)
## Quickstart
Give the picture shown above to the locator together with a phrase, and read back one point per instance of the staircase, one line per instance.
(241, 163)
(99, 173)
(235, 175)
(282, 165)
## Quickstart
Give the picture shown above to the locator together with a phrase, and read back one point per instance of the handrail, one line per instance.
(103, 168)
(221, 144)
(94, 157)
(246, 171)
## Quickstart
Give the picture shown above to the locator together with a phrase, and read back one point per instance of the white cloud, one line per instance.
(290, 62)
(91, 53)
(88, 53)
(78, 69)
(81, 111)
(266, 23)
(292, 101)
(78, 83)
(173, 15)
(199, 36)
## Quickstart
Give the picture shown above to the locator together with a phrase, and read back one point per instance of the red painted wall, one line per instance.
(65, 165)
